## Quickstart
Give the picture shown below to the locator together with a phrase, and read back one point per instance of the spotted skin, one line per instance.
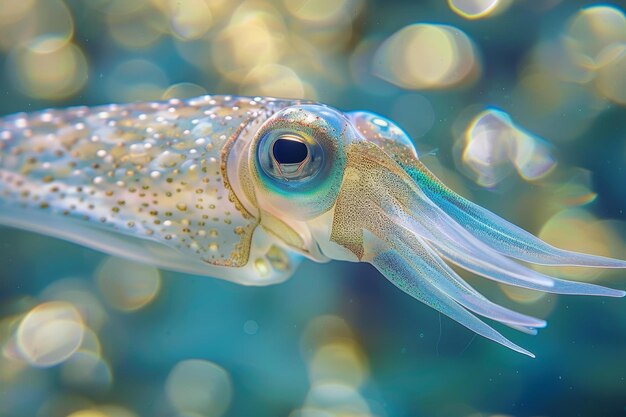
(153, 170)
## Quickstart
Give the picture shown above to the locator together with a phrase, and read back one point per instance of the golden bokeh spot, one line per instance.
(473, 9)
(427, 56)
(25, 21)
(50, 333)
(127, 286)
(597, 35)
(340, 362)
(49, 68)
(137, 29)
(273, 80)
(189, 19)
(576, 229)
(87, 370)
(337, 369)
(199, 387)
(253, 37)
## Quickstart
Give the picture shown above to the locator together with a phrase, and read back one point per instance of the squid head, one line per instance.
(353, 188)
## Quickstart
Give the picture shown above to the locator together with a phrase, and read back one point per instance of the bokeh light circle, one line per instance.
(473, 9)
(87, 371)
(49, 68)
(50, 333)
(494, 146)
(199, 386)
(591, 236)
(126, 285)
(253, 38)
(340, 362)
(597, 35)
(22, 22)
(273, 80)
(78, 293)
(190, 19)
(427, 56)
(137, 29)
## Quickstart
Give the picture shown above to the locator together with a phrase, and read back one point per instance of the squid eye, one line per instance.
(297, 160)
(288, 150)
(290, 157)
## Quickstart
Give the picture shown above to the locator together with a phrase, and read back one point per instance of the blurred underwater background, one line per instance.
(519, 105)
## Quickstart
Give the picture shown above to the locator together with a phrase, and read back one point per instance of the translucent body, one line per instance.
(138, 180)
(190, 186)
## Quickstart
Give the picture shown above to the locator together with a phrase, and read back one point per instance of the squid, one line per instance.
(243, 188)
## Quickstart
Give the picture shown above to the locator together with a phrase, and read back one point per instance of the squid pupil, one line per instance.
(289, 151)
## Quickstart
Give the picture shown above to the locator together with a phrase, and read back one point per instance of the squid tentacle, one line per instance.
(439, 274)
(456, 244)
(405, 277)
(384, 216)
(499, 234)
(528, 330)
(560, 286)
(447, 236)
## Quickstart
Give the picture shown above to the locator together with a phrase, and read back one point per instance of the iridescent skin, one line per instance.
(196, 186)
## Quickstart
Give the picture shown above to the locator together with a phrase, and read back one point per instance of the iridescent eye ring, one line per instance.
(290, 156)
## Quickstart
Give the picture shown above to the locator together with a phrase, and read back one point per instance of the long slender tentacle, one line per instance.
(432, 223)
(422, 257)
(461, 247)
(404, 276)
(560, 286)
(498, 233)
